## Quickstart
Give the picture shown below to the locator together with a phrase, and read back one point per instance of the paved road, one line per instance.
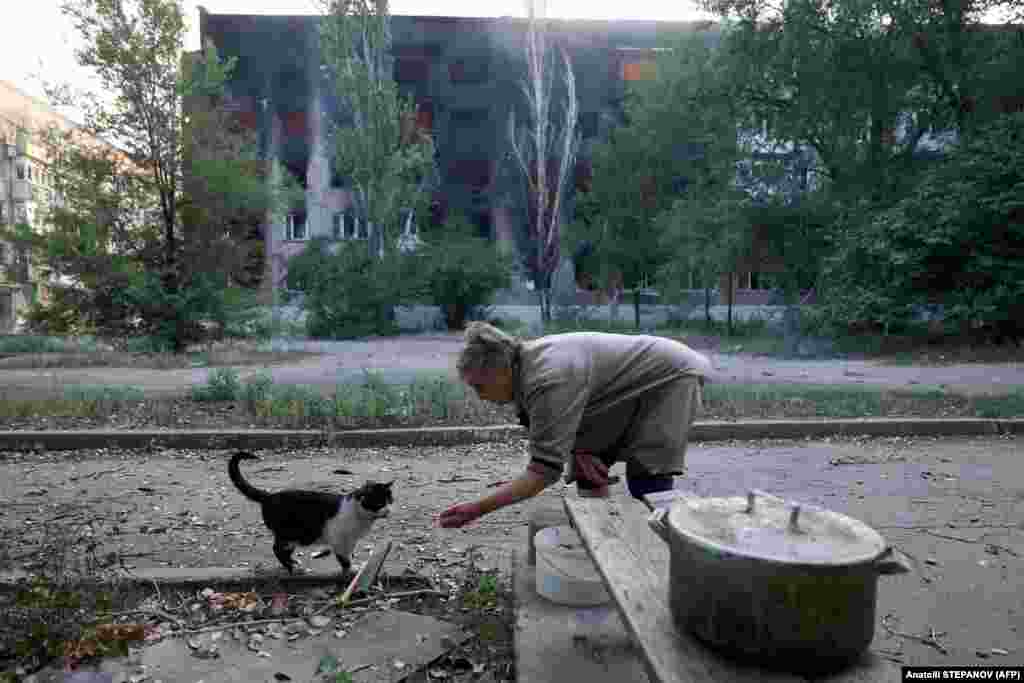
(401, 359)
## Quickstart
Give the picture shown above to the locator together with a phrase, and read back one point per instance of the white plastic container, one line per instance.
(566, 574)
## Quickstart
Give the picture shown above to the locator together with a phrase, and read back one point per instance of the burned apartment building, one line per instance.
(465, 75)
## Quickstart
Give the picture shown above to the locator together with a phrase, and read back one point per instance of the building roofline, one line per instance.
(479, 19)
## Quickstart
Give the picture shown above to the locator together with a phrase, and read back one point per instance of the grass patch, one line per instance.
(427, 397)
(228, 402)
(994, 407)
(752, 401)
(77, 401)
(28, 343)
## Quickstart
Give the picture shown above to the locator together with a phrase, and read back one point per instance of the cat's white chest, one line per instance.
(343, 531)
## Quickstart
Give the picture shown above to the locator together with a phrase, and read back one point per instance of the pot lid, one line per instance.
(763, 526)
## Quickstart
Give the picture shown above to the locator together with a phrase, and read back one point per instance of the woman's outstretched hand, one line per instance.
(459, 515)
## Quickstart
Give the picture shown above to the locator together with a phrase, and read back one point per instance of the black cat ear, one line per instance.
(388, 484)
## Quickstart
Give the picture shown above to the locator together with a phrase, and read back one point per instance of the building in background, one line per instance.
(29, 188)
(26, 190)
(465, 75)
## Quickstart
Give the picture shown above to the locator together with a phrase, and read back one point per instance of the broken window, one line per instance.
(411, 70)
(588, 124)
(295, 124)
(296, 227)
(482, 221)
(639, 71)
(475, 173)
(425, 115)
(469, 116)
(469, 70)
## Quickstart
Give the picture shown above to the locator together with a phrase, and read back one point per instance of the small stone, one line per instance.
(319, 621)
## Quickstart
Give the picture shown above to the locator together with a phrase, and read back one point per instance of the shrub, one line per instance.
(222, 384)
(32, 344)
(458, 270)
(956, 238)
(347, 292)
(103, 393)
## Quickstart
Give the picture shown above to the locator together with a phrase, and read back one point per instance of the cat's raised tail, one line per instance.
(247, 489)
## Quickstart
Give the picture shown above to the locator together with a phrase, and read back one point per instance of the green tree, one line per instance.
(378, 148)
(957, 239)
(708, 233)
(153, 236)
(458, 269)
(679, 139)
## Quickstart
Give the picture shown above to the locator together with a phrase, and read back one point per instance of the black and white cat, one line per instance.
(304, 518)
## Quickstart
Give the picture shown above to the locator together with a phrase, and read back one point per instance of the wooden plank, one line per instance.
(665, 498)
(634, 564)
(367, 574)
(637, 581)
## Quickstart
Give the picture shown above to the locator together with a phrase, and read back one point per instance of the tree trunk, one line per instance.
(707, 305)
(636, 307)
(732, 296)
(545, 304)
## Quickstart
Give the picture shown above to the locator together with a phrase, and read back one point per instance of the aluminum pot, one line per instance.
(787, 585)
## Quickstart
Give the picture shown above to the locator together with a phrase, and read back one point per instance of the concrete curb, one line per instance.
(451, 436)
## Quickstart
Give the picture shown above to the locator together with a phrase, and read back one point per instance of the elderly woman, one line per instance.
(589, 399)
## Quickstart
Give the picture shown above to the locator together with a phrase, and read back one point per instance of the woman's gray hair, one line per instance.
(487, 348)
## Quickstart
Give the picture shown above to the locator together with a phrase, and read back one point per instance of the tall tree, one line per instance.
(378, 147)
(544, 149)
(679, 138)
(134, 47)
(844, 78)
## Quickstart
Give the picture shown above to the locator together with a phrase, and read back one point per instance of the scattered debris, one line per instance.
(931, 640)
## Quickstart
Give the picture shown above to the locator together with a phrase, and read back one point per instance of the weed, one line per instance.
(222, 384)
(257, 388)
(112, 393)
(1011, 405)
(70, 585)
(25, 343)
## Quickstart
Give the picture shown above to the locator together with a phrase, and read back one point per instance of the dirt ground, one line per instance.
(954, 506)
(401, 359)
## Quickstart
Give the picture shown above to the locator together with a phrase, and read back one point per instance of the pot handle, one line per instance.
(658, 523)
(890, 563)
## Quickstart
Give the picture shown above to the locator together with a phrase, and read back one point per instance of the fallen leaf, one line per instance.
(319, 621)
(279, 603)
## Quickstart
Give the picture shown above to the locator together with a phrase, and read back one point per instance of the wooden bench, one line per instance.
(633, 562)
